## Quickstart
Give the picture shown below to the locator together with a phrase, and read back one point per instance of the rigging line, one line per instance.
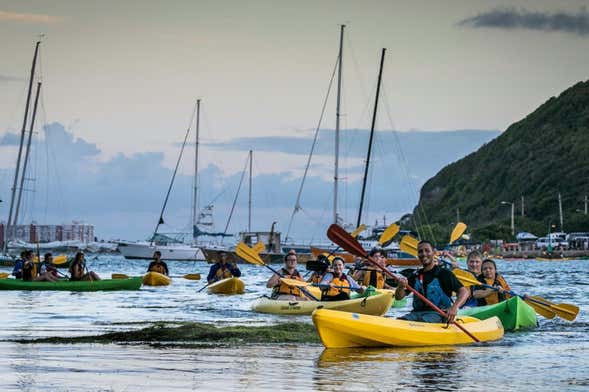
(161, 219)
(236, 196)
(297, 206)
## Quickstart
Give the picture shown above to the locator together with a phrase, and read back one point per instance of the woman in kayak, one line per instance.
(282, 291)
(157, 265)
(490, 277)
(78, 267)
(47, 266)
(29, 270)
(223, 269)
(336, 285)
(369, 275)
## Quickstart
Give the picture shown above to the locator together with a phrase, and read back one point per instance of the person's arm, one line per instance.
(463, 295)
(452, 284)
(212, 273)
(401, 290)
(166, 269)
(234, 270)
(447, 255)
(150, 266)
(354, 285)
(273, 281)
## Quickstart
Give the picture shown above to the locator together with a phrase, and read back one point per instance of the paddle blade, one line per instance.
(192, 276)
(566, 311)
(341, 237)
(259, 247)
(459, 229)
(4, 275)
(248, 254)
(60, 259)
(119, 276)
(465, 277)
(388, 234)
(295, 282)
(542, 310)
(358, 230)
(407, 247)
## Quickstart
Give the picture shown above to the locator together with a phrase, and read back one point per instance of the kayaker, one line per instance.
(435, 283)
(29, 270)
(47, 266)
(17, 270)
(223, 269)
(319, 267)
(490, 277)
(369, 275)
(158, 265)
(282, 291)
(474, 260)
(78, 267)
(336, 286)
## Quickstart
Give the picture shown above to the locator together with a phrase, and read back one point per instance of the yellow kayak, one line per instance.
(341, 329)
(376, 304)
(156, 279)
(227, 286)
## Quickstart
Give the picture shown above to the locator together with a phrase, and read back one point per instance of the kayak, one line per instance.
(227, 286)
(514, 313)
(67, 285)
(377, 304)
(156, 279)
(341, 329)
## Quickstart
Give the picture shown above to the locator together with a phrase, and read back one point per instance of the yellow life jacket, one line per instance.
(377, 281)
(223, 273)
(158, 267)
(316, 278)
(283, 288)
(496, 297)
(343, 281)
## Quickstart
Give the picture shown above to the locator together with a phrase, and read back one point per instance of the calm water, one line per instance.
(555, 355)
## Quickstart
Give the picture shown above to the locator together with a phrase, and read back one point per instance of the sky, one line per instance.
(120, 80)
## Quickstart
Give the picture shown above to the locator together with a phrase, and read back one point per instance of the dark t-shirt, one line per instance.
(448, 280)
(154, 263)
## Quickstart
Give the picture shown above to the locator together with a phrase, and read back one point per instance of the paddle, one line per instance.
(57, 260)
(251, 256)
(4, 275)
(459, 229)
(298, 283)
(409, 245)
(542, 306)
(342, 238)
(195, 276)
(388, 234)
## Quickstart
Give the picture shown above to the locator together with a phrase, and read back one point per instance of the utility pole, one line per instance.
(523, 205)
(513, 218)
(560, 212)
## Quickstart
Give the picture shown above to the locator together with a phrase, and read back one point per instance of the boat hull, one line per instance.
(67, 285)
(349, 258)
(156, 279)
(514, 313)
(340, 330)
(212, 255)
(376, 305)
(227, 286)
(144, 251)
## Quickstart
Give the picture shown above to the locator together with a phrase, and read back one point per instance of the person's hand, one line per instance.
(402, 282)
(452, 312)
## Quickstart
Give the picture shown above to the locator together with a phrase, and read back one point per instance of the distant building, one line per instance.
(33, 232)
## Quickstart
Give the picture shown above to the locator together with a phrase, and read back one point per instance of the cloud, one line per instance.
(511, 18)
(28, 18)
(10, 139)
(8, 78)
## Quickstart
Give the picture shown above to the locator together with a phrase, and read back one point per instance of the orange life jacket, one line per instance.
(223, 273)
(377, 281)
(283, 288)
(496, 297)
(342, 281)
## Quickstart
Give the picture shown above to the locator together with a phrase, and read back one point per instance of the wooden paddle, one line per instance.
(251, 256)
(566, 311)
(342, 238)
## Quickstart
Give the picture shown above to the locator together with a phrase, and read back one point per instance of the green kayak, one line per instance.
(514, 313)
(67, 285)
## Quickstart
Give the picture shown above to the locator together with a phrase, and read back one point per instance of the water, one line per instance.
(552, 356)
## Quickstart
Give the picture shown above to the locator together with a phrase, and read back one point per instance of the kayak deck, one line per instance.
(156, 279)
(514, 313)
(231, 285)
(340, 330)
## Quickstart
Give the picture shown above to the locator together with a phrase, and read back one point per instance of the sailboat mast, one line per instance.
(371, 137)
(195, 190)
(337, 117)
(22, 138)
(249, 207)
(27, 152)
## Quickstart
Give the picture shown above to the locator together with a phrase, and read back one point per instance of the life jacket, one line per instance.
(316, 278)
(283, 288)
(342, 281)
(223, 273)
(159, 268)
(29, 271)
(433, 292)
(77, 271)
(374, 278)
(495, 297)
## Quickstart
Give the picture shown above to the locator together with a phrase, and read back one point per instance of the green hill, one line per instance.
(543, 154)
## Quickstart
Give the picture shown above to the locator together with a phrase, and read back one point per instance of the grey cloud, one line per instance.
(511, 18)
(10, 139)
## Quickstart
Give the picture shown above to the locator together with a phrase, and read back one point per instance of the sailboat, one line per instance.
(171, 248)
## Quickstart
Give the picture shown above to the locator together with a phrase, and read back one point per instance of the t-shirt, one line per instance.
(448, 281)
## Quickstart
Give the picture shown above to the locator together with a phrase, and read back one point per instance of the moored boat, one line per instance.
(156, 279)
(514, 313)
(231, 285)
(68, 285)
(341, 329)
(377, 304)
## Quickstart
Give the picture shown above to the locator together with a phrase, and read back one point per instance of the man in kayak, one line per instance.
(281, 290)
(490, 277)
(158, 265)
(474, 261)
(47, 266)
(17, 270)
(369, 275)
(222, 269)
(336, 286)
(435, 283)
